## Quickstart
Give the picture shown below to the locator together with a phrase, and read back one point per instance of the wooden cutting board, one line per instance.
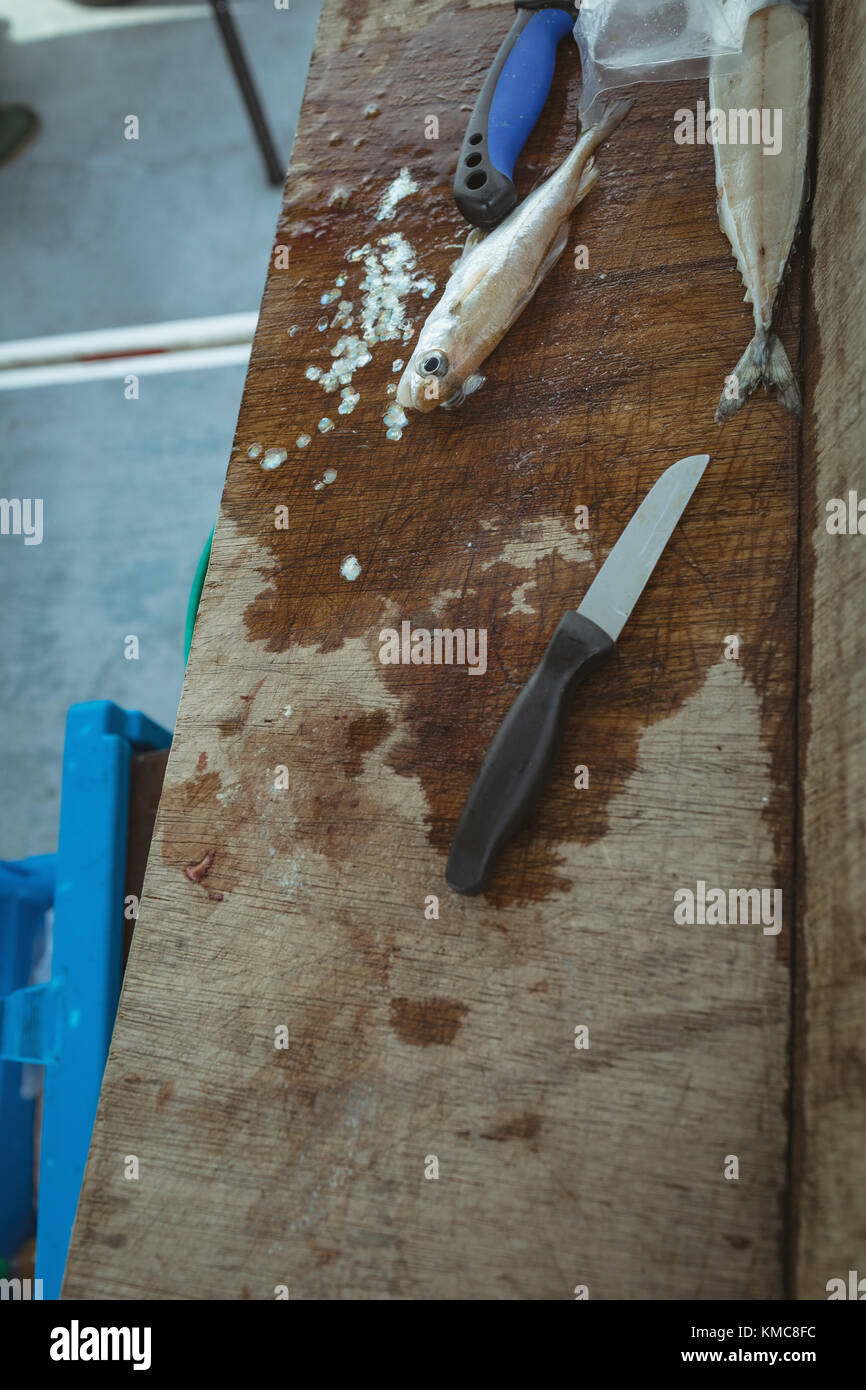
(433, 1128)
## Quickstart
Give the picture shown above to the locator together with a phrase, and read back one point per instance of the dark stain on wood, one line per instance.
(197, 791)
(323, 1256)
(164, 1095)
(525, 1126)
(738, 1242)
(191, 804)
(363, 734)
(422, 1022)
(237, 722)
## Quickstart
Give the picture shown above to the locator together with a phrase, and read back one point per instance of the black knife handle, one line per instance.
(523, 752)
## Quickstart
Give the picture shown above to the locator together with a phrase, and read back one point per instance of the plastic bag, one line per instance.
(626, 41)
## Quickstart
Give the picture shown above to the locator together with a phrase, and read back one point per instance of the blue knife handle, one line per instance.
(508, 106)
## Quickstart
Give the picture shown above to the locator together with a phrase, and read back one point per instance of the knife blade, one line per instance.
(508, 106)
(521, 757)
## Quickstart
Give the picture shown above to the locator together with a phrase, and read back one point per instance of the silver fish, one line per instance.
(761, 193)
(496, 277)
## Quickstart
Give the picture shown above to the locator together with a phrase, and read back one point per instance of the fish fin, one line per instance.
(470, 283)
(588, 178)
(554, 251)
(765, 360)
(551, 256)
(475, 236)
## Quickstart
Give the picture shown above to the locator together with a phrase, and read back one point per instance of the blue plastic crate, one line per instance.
(66, 1023)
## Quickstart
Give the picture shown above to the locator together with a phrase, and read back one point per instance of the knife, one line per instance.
(508, 106)
(520, 758)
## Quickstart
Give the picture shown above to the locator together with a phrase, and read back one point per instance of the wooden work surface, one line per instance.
(411, 1037)
(829, 1169)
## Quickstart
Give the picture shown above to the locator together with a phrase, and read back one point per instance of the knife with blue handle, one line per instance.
(523, 753)
(508, 106)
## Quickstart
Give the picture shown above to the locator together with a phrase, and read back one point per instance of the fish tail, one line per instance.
(581, 165)
(781, 375)
(588, 178)
(607, 122)
(764, 361)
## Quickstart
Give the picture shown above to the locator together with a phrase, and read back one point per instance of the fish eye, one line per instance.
(434, 364)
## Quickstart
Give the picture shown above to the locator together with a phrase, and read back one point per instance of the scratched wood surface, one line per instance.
(830, 1113)
(454, 1038)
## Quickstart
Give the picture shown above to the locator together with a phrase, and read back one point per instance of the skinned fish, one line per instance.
(496, 277)
(761, 195)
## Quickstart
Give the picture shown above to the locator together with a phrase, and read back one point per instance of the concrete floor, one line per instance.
(97, 232)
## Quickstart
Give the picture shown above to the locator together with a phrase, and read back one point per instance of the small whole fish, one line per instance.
(760, 193)
(496, 277)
